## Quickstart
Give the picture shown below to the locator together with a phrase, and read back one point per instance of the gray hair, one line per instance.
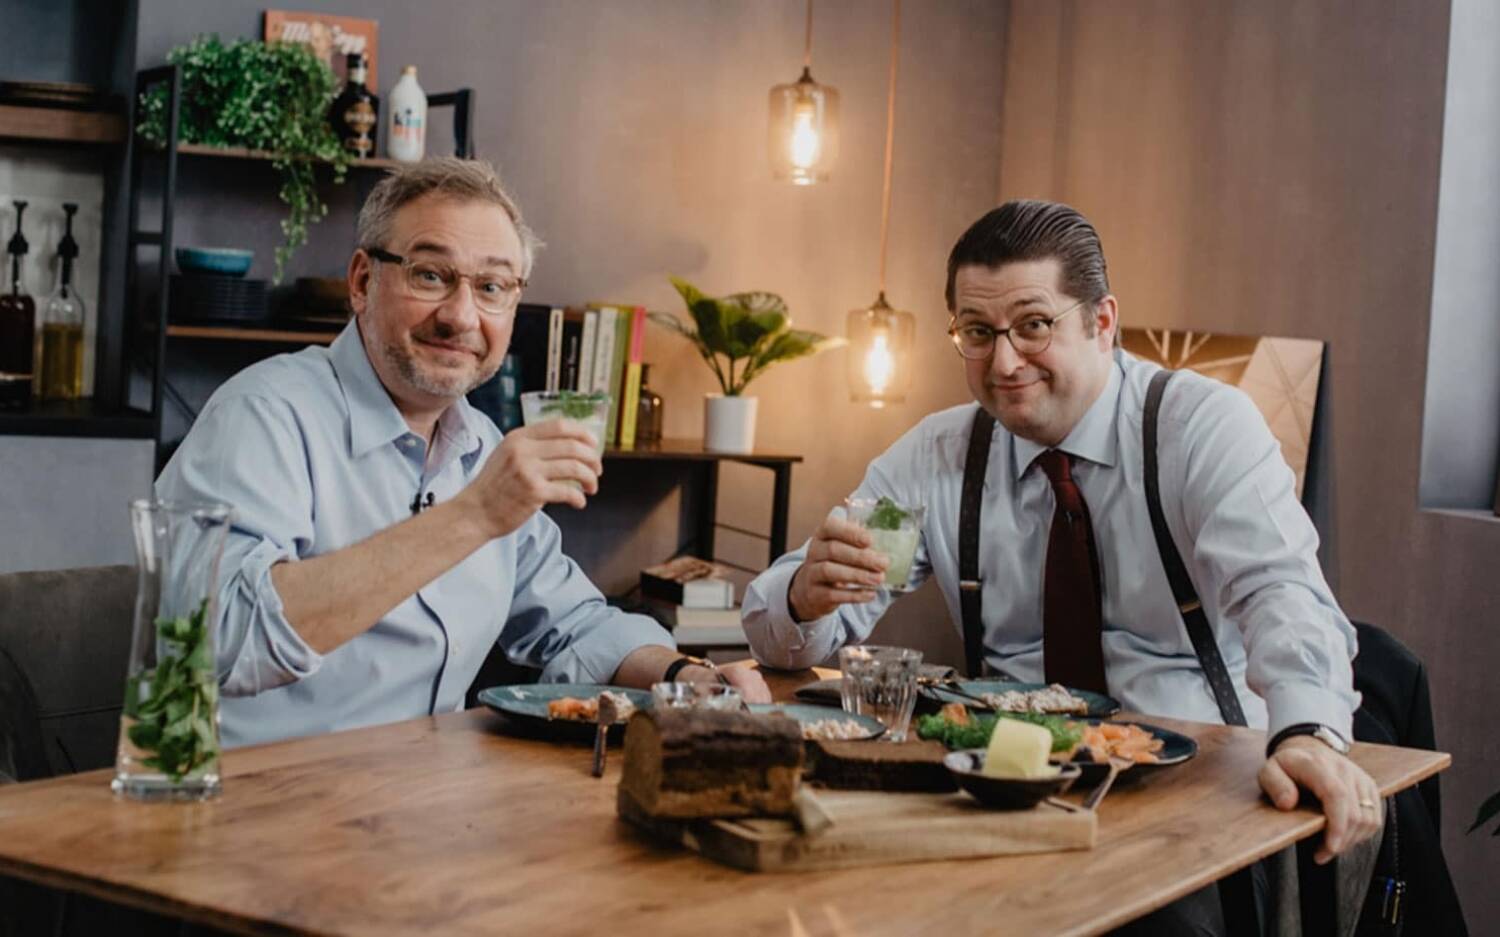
(467, 180)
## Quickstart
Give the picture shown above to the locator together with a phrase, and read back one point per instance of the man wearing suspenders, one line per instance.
(1099, 522)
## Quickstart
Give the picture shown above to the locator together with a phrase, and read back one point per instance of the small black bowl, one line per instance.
(967, 766)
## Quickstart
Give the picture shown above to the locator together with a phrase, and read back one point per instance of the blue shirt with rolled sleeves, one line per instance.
(1229, 499)
(313, 456)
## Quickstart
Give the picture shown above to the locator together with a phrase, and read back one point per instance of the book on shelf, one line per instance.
(586, 345)
(700, 627)
(572, 348)
(689, 582)
(554, 349)
(630, 392)
(604, 351)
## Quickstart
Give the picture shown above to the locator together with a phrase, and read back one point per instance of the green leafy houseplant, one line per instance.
(262, 96)
(750, 331)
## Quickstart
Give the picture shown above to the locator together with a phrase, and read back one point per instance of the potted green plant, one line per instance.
(749, 332)
(267, 96)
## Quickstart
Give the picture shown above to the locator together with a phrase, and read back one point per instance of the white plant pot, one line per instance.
(729, 423)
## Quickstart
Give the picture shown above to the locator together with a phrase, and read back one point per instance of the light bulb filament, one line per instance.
(805, 142)
(879, 365)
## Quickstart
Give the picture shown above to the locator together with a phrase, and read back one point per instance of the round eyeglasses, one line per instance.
(1030, 336)
(434, 281)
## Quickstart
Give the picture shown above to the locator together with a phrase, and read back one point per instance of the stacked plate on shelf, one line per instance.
(212, 287)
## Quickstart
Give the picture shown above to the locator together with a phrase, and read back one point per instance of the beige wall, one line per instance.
(1273, 168)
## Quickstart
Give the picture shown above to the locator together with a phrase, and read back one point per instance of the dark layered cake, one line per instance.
(914, 765)
(685, 763)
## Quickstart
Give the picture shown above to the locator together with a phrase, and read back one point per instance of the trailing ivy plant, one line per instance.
(261, 96)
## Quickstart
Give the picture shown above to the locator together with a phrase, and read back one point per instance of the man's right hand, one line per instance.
(533, 467)
(839, 568)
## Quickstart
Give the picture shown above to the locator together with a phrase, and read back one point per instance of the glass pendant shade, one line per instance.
(879, 356)
(804, 131)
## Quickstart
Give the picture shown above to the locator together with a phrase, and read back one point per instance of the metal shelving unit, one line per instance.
(149, 333)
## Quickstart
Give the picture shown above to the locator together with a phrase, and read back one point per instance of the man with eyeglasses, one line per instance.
(386, 535)
(1069, 584)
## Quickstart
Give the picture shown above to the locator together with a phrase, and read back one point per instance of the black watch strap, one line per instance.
(1315, 729)
(686, 660)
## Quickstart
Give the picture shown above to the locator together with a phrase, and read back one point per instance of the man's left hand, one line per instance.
(1352, 803)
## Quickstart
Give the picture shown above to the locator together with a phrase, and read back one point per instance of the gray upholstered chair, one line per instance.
(68, 634)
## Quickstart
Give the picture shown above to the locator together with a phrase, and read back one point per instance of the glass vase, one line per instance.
(169, 727)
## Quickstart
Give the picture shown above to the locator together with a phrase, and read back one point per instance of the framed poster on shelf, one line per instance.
(332, 38)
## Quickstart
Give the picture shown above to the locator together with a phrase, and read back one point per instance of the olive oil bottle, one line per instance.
(60, 369)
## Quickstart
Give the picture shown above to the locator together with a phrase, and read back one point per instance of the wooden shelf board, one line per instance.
(237, 334)
(236, 152)
(60, 125)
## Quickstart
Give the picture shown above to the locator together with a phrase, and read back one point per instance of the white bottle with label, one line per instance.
(406, 136)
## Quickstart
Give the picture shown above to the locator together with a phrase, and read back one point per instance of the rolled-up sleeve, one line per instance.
(1258, 549)
(247, 451)
(560, 622)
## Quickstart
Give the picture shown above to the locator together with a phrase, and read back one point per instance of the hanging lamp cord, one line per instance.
(890, 140)
(807, 46)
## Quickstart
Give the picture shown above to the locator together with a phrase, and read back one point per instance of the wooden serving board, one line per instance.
(872, 828)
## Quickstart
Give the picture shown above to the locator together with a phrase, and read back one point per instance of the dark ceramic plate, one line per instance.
(967, 764)
(527, 705)
(1100, 705)
(1176, 748)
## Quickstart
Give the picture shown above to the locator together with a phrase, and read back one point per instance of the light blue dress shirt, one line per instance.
(1230, 502)
(313, 455)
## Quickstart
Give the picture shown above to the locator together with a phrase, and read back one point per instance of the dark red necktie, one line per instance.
(1071, 619)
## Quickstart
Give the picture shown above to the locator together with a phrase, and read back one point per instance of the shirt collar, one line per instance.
(1094, 438)
(374, 420)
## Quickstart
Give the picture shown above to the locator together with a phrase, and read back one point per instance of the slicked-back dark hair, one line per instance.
(1028, 229)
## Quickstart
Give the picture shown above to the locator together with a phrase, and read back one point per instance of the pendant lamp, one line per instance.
(803, 139)
(881, 337)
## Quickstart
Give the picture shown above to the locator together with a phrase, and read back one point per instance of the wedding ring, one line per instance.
(1367, 804)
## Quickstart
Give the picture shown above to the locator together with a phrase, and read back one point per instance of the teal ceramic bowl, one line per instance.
(221, 261)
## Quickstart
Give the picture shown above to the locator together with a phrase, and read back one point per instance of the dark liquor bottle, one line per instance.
(355, 113)
(17, 329)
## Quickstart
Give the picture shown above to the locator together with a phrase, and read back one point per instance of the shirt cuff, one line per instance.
(595, 657)
(1290, 704)
(792, 644)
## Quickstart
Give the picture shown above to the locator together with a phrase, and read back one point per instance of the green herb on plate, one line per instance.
(1065, 732)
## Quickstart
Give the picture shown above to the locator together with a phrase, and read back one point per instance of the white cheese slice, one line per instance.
(1019, 750)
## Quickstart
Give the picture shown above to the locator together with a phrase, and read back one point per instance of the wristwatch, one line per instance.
(688, 660)
(1317, 730)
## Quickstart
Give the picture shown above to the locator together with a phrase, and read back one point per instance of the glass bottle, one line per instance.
(17, 329)
(60, 371)
(355, 113)
(648, 413)
(169, 726)
(406, 132)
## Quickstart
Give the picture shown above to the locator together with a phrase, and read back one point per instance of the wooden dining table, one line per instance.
(456, 824)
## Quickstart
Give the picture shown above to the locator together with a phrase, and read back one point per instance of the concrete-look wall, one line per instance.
(1273, 168)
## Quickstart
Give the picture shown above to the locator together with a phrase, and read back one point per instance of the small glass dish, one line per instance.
(696, 696)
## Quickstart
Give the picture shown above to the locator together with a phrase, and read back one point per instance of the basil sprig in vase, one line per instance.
(169, 728)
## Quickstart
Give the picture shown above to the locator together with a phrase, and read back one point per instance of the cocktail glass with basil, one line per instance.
(590, 409)
(895, 530)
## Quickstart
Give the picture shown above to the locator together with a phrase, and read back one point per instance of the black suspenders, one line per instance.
(969, 583)
(1183, 593)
